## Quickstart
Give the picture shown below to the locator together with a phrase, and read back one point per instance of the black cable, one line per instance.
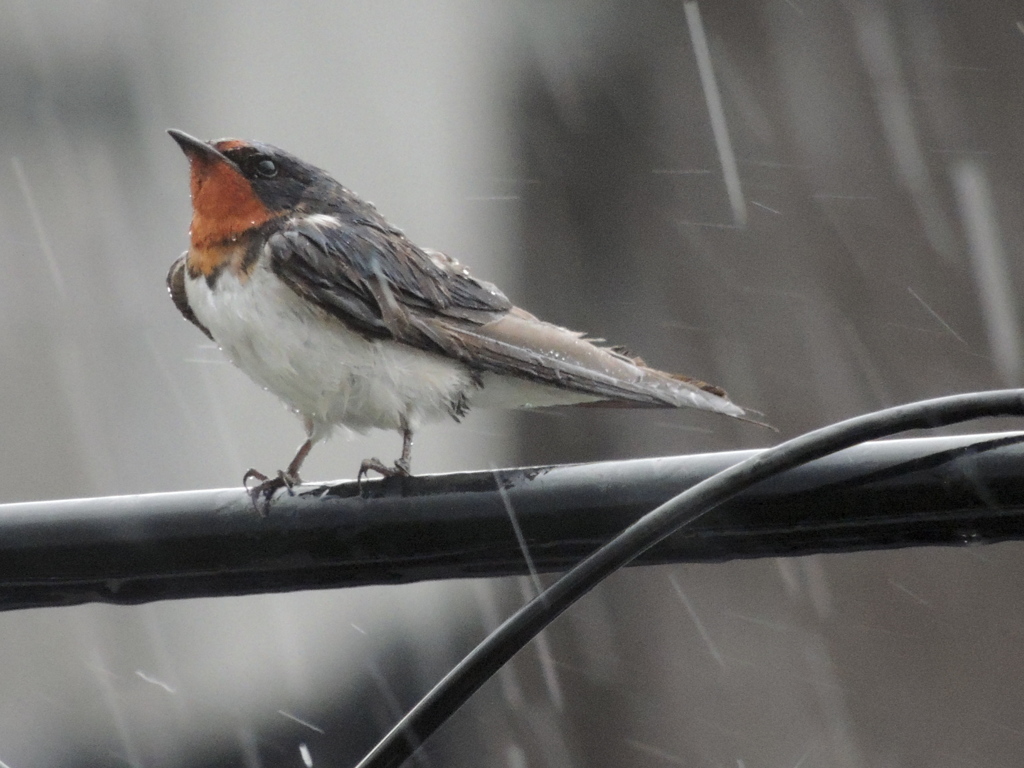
(501, 645)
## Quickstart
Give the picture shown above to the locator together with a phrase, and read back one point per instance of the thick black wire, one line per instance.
(501, 645)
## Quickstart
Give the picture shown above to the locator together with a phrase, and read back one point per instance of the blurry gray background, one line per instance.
(860, 251)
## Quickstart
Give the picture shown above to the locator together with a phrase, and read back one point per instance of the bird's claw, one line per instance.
(262, 494)
(400, 469)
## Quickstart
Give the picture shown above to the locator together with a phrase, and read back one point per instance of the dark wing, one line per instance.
(176, 286)
(381, 285)
(376, 281)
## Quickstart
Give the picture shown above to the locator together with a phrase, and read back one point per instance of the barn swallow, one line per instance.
(314, 295)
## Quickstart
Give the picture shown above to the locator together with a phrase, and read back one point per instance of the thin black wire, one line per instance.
(503, 643)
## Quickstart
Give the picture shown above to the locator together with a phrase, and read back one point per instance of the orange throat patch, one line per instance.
(224, 207)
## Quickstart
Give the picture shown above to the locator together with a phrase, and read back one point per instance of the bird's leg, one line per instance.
(402, 467)
(404, 464)
(287, 478)
(290, 476)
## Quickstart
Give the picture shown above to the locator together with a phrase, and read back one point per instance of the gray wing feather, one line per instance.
(349, 271)
(520, 344)
(176, 287)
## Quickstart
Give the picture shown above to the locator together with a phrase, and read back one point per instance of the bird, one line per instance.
(312, 293)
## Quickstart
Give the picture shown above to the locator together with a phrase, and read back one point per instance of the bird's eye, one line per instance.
(266, 168)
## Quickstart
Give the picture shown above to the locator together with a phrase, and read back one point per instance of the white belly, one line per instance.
(323, 371)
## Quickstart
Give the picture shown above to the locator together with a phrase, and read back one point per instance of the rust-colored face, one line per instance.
(224, 204)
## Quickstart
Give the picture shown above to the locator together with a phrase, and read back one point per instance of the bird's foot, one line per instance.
(262, 493)
(400, 469)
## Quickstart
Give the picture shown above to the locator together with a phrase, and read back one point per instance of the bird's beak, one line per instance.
(197, 149)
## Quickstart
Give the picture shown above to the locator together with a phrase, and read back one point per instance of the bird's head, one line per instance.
(240, 185)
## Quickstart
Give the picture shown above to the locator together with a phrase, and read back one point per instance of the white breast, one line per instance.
(326, 373)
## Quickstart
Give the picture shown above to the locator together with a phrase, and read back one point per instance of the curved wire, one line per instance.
(503, 643)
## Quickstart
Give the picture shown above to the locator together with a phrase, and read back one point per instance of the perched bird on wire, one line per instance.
(315, 296)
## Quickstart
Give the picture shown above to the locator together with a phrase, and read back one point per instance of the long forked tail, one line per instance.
(674, 390)
(522, 346)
